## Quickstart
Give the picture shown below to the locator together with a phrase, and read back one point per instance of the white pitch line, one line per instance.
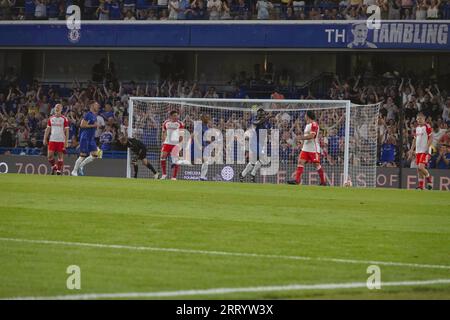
(216, 291)
(227, 253)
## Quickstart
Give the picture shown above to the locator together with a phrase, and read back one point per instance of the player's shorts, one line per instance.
(140, 155)
(422, 158)
(87, 145)
(54, 146)
(168, 147)
(313, 157)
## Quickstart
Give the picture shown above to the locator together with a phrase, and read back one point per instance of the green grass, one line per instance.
(376, 224)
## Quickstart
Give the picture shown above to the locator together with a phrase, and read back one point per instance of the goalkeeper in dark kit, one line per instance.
(139, 153)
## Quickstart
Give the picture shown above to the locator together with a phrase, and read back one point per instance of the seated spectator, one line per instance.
(129, 16)
(441, 159)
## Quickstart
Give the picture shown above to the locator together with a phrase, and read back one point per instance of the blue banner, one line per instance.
(396, 35)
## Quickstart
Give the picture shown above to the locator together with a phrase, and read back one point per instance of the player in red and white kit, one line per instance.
(56, 136)
(172, 136)
(310, 150)
(423, 137)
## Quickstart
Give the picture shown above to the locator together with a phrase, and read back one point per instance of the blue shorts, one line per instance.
(87, 145)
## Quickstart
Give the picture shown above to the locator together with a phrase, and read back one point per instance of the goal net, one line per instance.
(220, 139)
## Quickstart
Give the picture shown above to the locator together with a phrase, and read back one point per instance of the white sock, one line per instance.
(204, 170)
(86, 161)
(247, 169)
(256, 167)
(77, 163)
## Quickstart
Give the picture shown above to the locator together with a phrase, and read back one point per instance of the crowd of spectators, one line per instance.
(25, 108)
(224, 9)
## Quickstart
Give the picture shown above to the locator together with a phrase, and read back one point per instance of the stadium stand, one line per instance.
(24, 110)
(224, 9)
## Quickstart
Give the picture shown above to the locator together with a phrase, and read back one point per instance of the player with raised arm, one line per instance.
(310, 150)
(88, 146)
(172, 130)
(261, 122)
(423, 138)
(56, 137)
(202, 141)
(139, 151)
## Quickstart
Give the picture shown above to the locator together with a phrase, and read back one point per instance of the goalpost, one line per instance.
(347, 138)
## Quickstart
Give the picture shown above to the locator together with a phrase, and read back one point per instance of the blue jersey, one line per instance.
(88, 133)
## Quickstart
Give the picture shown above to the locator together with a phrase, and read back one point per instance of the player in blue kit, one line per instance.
(260, 123)
(88, 146)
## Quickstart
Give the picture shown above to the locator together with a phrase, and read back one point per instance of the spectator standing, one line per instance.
(114, 10)
(173, 8)
(441, 160)
(103, 10)
(40, 11)
(225, 10)
(263, 7)
(421, 9)
(433, 10)
(242, 11)
(214, 7)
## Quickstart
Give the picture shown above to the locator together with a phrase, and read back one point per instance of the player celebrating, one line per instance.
(310, 150)
(139, 153)
(171, 135)
(58, 128)
(423, 137)
(261, 122)
(201, 140)
(87, 139)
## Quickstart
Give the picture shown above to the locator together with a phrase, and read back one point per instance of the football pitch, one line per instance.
(209, 240)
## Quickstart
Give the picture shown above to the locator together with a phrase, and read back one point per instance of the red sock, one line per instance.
(321, 175)
(298, 174)
(421, 183)
(163, 167)
(60, 164)
(175, 171)
(428, 179)
(52, 162)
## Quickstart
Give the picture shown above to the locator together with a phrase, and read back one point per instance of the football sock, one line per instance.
(247, 169)
(60, 164)
(150, 167)
(163, 166)
(52, 162)
(321, 175)
(136, 170)
(256, 168)
(77, 163)
(204, 170)
(87, 160)
(175, 170)
(421, 182)
(298, 174)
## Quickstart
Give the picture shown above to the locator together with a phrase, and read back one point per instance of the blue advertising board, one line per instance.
(392, 35)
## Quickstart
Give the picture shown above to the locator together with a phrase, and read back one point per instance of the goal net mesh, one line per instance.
(221, 134)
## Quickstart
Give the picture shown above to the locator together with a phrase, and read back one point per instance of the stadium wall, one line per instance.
(386, 177)
(186, 35)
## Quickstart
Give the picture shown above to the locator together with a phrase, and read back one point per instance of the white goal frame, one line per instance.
(347, 104)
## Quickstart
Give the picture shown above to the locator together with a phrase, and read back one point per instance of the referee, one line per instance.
(139, 151)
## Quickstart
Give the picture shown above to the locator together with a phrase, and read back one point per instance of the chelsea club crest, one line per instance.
(74, 35)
